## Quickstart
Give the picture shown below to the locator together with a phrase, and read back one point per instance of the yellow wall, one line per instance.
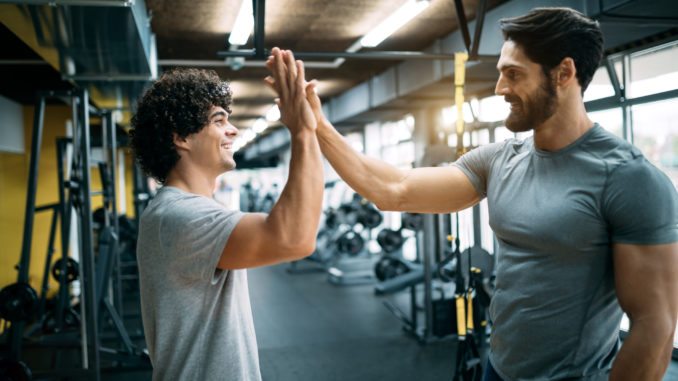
(14, 170)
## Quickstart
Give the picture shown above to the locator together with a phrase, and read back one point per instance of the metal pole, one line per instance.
(429, 249)
(86, 238)
(17, 328)
(113, 161)
(65, 211)
(259, 7)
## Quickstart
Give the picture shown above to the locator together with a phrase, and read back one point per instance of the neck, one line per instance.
(567, 125)
(191, 180)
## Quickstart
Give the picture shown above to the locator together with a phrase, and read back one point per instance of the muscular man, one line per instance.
(191, 251)
(586, 226)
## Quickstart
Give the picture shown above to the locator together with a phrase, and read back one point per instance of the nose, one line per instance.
(231, 130)
(501, 87)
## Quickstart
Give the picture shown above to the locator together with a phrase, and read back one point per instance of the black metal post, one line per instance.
(463, 23)
(480, 19)
(86, 238)
(17, 328)
(259, 8)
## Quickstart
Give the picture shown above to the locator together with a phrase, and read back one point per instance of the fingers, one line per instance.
(301, 79)
(270, 82)
(279, 73)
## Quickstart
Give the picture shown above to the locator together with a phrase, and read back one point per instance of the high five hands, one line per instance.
(297, 99)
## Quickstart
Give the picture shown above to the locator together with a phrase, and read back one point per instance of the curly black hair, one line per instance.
(178, 102)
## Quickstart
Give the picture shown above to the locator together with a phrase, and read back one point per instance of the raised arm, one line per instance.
(646, 281)
(288, 232)
(424, 190)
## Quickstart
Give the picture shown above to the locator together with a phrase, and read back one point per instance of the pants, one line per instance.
(490, 373)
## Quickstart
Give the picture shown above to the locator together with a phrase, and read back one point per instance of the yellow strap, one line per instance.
(459, 80)
(469, 319)
(461, 321)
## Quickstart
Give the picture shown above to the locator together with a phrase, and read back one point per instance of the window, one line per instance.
(600, 86)
(654, 70)
(611, 120)
(655, 133)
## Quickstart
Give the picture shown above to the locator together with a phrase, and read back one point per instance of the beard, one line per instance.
(535, 110)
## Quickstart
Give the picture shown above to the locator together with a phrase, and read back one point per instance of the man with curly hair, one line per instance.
(192, 252)
(586, 227)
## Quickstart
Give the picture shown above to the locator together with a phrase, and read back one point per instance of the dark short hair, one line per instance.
(178, 102)
(548, 35)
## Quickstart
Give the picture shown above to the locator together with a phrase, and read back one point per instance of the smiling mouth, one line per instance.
(227, 146)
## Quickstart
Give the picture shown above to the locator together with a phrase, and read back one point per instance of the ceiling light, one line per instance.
(400, 17)
(259, 125)
(273, 114)
(243, 24)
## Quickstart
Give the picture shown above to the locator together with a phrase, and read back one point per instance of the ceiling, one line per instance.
(193, 33)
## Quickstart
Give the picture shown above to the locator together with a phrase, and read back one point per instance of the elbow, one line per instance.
(299, 249)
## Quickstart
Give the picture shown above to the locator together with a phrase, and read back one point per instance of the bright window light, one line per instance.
(243, 24)
(249, 135)
(273, 114)
(238, 143)
(400, 17)
(259, 125)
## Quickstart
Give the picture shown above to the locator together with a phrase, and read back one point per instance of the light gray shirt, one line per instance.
(556, 215)
(197, 318)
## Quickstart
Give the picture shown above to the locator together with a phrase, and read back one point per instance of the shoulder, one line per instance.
(611, 150)
(174, 205)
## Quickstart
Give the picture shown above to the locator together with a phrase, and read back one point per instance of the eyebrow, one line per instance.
(509, 66)
(217, 113)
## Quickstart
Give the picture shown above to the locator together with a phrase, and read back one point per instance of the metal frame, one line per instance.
(260, 53)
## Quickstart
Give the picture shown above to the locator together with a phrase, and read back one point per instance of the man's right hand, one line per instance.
(289, 82)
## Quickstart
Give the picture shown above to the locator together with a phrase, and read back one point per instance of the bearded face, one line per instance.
(532, 109)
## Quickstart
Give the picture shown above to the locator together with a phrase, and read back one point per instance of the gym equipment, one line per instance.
(390, 240)
(71, 319)
(412, 221)
(468, 366)
(368, 215)
(390, 267)
(350, 243)
(71, 272)
(74, 199)
(14, 370)
(18, 302)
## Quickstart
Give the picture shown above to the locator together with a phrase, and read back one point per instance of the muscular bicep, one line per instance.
(437, 190)
(646, 280)
(252, 243)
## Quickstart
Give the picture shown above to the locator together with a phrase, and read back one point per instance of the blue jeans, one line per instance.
(490, 373)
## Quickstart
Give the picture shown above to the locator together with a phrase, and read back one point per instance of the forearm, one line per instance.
(296, 215)
(645, 353)
(373, 179)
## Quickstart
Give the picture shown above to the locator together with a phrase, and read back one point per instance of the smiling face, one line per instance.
(522, 82)
(212, 146)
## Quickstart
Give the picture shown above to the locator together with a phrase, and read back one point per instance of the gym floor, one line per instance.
(309, 329)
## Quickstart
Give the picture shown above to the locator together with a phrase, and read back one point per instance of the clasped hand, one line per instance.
(289, 83)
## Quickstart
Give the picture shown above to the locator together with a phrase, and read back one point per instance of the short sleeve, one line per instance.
(640, 205)
(476, 165)
(197, 233)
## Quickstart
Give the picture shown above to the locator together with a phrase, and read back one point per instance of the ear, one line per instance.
(566, 73)
(179, 142)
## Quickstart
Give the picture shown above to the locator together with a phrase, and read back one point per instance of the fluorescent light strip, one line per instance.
(243, 24)
(397, 19)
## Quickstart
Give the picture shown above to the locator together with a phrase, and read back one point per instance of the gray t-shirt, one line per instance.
(555, 215)
(197, 318)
